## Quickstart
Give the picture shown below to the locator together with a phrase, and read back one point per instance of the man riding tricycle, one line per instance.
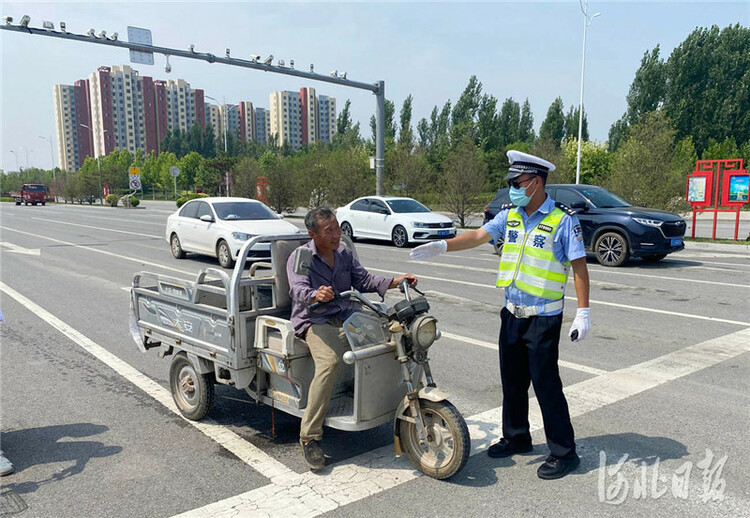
(247, 331)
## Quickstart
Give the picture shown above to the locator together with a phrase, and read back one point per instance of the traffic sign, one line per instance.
(142, 36)
(135, 183)
(174, 171)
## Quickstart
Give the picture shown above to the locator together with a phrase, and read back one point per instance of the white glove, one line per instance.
(582, 324)
(429, 250)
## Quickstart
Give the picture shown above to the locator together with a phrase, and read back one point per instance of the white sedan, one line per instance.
(400, 220)
(218, 227)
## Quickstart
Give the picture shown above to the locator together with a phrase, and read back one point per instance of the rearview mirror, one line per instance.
(207, 218)
(579, 205)
(384, 211)
(302, 260)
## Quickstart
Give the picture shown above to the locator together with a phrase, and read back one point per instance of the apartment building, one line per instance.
(262, 125)
(286, 118)
(117, 108)
(326, 118)
(246, 121)
(72, 124)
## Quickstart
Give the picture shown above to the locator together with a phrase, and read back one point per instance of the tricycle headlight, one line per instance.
(424, 331)
(241, 236)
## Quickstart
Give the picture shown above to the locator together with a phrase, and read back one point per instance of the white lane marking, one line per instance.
(593, 270)
(245, 451)
(377, 471)
(90, 249)
(591, 301)
(15, 249)
(665, 312)
(128, 222)
(494, 347)
(139, 234)
(664, 277)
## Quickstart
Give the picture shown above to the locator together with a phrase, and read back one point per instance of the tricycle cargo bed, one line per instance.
(214, 316)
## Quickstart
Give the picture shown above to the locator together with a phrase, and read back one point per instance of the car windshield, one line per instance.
(602, 198)
(406, 206)
(239, 210)
(36, 188)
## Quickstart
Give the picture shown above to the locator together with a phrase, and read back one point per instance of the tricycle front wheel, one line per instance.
(193, 393)
(448, 442)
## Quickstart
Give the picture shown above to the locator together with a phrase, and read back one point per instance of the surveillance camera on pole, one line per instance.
(48, 25)
(268, 60)
(25, 20)
(8, 20)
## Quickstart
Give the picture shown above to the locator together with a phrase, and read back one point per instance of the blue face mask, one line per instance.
(518, 196)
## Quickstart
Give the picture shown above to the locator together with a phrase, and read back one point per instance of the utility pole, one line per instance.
(255, 63)
(586, 22)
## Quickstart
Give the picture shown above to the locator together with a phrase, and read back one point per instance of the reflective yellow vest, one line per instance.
(528, 261)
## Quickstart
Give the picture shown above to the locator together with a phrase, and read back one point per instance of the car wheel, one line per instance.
(346, 229)
(174, 244)
(399, 236)
(611, 249)
(224, 254)
(653, 258)
(497, 246)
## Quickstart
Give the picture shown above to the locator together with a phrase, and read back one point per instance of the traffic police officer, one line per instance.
(542, 240)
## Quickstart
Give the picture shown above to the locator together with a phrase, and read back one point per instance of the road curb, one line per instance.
(717, 247)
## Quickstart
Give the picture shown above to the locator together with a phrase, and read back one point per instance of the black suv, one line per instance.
(613, 229)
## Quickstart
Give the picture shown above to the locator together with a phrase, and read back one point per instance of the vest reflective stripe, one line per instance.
(528, 259)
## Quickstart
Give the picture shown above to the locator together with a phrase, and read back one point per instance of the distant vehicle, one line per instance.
(30, 194)
(399, 220)
(218, 227)
(613, 229)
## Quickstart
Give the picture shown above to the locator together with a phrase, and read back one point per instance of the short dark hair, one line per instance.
(311, 219)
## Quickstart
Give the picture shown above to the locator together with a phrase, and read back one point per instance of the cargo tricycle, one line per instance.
(235, 330)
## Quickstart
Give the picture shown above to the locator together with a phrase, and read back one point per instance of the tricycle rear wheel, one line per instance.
(193, 393)
(448, 441)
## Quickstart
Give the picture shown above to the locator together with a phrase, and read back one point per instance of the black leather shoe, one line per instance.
(506, 448)
(313, 453)
(557, 467)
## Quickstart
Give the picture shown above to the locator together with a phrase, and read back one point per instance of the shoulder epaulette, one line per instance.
(565, 209)
(506, 206)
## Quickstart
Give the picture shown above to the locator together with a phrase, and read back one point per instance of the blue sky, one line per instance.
(427, 49)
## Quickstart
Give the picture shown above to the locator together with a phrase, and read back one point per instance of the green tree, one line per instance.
(648, 89)
(571, 124)
(708, 85)
(595, 160)
(721, 150)
(489, 132)
(408, 174)
(464, 116)
(618, 133)
(390, 128)
(647, 170)
(553, 126)
(189, 166)
(526, 124)
(510, 122)
(406, 134)
(464, 178)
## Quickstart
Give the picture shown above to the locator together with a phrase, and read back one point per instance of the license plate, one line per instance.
(447, 232)
(676, 241)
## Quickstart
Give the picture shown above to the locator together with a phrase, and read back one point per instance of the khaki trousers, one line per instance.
(327, 343)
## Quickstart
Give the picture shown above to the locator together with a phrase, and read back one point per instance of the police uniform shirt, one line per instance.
(567, 246)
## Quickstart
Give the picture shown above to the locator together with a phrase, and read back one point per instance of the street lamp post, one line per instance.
(51, 155)
(586, 22)
(27, 156)
(16, 157)
(225, 124)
